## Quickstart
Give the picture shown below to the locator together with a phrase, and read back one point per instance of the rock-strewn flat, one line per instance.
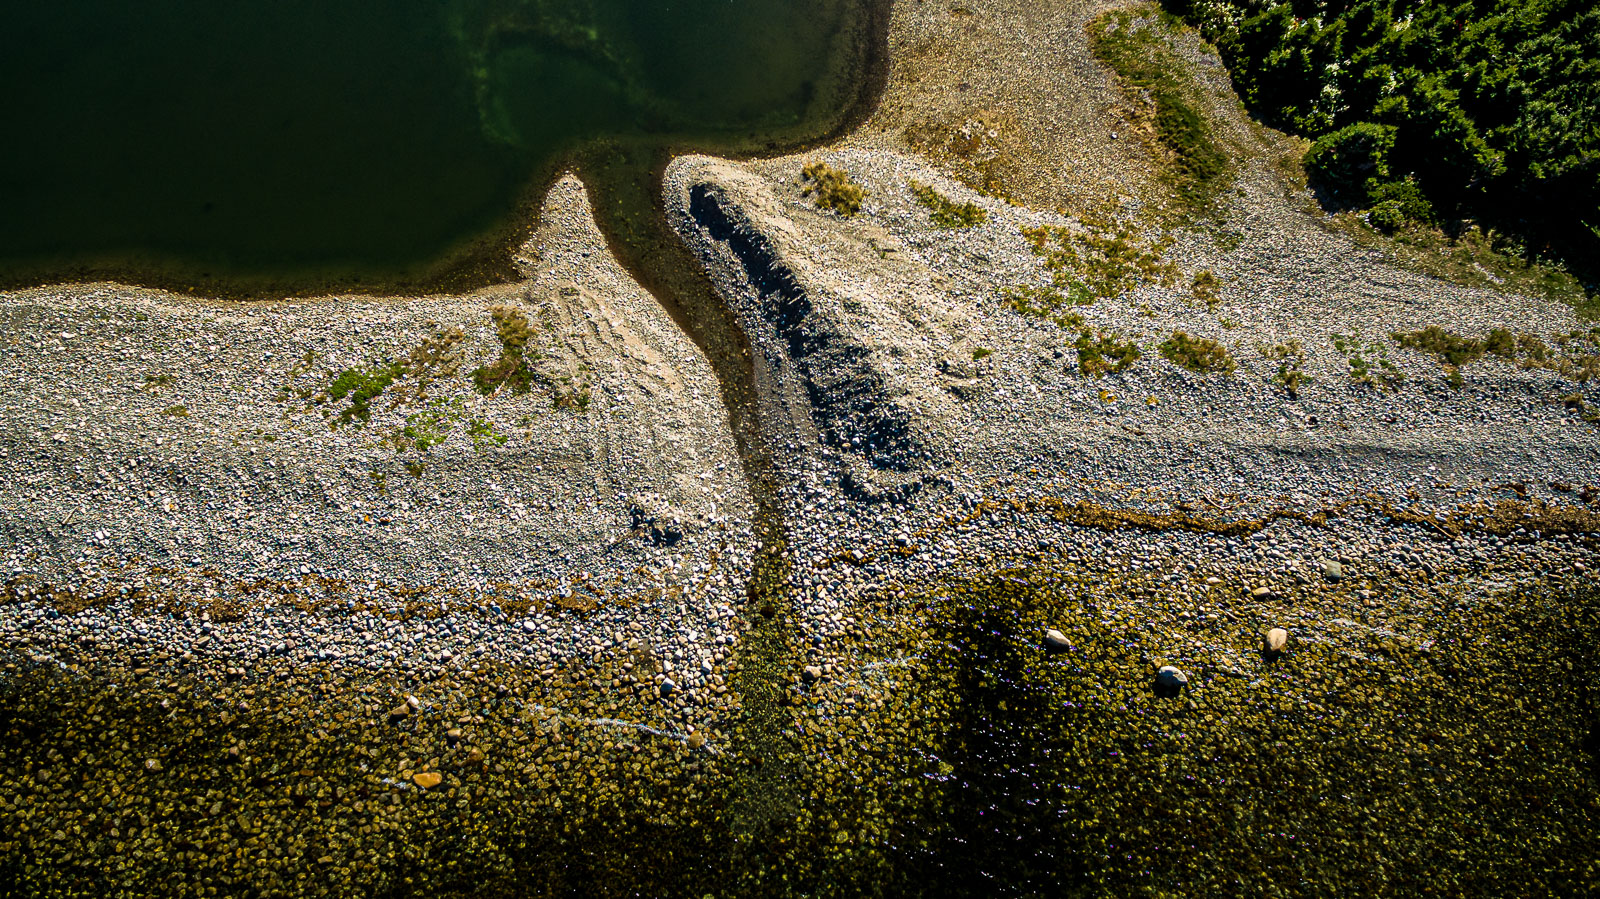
(287, 568)
(166, 455)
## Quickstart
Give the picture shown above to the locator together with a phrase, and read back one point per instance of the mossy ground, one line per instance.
(947, 213)
(1165, 102)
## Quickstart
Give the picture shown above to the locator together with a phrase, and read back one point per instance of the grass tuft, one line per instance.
(832, 189)
(947, 213)
(1200, 355)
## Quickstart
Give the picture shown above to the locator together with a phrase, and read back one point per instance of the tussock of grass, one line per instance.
(1574, 402)
(946, 212)
(1200, 355)
(1206, 288)
(832, 188)
(1104, 260)
(1576, 355)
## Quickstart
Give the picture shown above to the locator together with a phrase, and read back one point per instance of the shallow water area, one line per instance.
(297, 146)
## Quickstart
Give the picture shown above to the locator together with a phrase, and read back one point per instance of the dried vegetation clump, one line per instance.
(1200, 355)
(832, 189)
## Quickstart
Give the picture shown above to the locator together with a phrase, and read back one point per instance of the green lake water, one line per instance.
(303, 145)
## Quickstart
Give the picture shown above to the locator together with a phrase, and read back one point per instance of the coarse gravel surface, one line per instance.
(549, 632)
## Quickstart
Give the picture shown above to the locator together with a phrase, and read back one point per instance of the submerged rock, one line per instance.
(1056, 641)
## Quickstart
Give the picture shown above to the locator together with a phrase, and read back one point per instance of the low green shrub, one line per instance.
(1200, 355)
(832, 189)
(1102, 352)
(1344, 161)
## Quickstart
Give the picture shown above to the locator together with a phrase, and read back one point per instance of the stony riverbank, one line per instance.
(454, 594)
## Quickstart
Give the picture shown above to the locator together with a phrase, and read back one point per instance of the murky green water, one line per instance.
(297, 144)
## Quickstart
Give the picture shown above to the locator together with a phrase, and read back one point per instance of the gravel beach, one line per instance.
(358, 595)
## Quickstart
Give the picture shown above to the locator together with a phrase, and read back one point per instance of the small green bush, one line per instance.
(832, 188)
(1101, 352)
(1388, 217)
(1405, 196)
(1346, 159)
(1200, 355)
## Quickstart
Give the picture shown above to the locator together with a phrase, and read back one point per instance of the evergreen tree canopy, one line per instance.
(1491, 106)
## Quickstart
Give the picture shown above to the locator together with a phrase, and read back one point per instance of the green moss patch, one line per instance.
(1200, 355)
(1136, 45)
(946, 212)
